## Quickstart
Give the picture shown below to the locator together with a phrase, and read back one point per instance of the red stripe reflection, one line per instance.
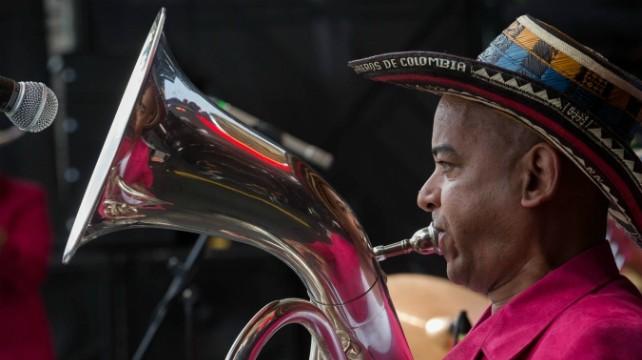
(241, 145)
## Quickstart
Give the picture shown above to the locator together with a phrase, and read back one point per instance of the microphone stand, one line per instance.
(179, 284)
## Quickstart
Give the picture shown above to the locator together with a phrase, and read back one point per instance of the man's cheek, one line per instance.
(450, 194)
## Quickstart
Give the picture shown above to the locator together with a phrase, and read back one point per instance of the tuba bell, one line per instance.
(173, 159)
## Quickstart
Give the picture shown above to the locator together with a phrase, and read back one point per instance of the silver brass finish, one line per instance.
(279, 313)
(174, 160)
(423, 241)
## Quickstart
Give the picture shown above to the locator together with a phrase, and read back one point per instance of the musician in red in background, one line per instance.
(128, 188)
(25, 239)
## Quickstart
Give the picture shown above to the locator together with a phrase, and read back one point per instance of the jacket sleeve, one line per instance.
(24, 255)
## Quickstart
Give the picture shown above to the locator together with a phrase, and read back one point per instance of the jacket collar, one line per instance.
(504, 334)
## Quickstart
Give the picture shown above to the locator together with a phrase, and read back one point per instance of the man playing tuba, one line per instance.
(531, 143)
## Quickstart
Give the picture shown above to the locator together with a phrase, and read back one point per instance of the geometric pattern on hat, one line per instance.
(526, 48)
(570, 95)
(626, 158)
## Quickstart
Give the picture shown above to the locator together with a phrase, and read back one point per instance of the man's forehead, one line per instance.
(454, 109)
(470, 117)
(453, 123)
(461, 125)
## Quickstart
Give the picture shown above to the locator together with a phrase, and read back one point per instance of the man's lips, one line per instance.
(440, 237)
(440, 242)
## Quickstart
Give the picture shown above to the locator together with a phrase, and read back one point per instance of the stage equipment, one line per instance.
(180, 282)
(428, 326)
(9, 135)
(30, 106)
(173, 159)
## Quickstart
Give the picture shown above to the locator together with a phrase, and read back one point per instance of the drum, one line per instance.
(427, 307)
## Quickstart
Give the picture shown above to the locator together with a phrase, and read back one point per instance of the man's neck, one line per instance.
(527, 275)
(543, 258)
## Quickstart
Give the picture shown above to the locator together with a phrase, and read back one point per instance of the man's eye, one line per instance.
(444, 165)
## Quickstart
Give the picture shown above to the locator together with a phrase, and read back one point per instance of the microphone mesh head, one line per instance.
(35, 108)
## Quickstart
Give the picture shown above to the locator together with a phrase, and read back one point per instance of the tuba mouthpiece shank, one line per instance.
(423, 241)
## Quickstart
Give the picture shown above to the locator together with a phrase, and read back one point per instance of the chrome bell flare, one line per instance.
(173, 159)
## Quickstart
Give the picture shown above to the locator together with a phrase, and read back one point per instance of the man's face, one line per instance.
(474, 194)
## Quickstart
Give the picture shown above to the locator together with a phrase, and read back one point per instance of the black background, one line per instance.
(284, 62)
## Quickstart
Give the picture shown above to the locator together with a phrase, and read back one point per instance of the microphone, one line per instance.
(30, 106)
(308, 152)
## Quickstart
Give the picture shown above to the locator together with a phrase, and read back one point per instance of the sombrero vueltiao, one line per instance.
(572, 96)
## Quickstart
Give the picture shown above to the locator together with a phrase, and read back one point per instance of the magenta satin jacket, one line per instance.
(24, 330)
(582, 310)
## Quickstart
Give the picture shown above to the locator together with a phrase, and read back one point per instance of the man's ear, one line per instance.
(540, 168)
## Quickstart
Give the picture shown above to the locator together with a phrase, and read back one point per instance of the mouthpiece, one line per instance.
(423, 241)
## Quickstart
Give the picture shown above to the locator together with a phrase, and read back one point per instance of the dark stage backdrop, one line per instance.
(284, 62)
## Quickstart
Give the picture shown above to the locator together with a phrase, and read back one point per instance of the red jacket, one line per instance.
(582, 310)
(24, 330)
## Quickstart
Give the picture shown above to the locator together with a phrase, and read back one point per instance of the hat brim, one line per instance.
(607, 160)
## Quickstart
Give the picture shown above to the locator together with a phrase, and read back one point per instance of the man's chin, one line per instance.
(457, 275)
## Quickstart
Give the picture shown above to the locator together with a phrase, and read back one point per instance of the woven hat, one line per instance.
(586, 107)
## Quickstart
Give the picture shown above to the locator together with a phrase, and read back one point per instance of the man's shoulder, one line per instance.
(617, 300)
(614, 308)
(601, 338)
(603, 324)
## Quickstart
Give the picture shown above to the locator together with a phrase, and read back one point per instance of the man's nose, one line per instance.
(429, 195)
